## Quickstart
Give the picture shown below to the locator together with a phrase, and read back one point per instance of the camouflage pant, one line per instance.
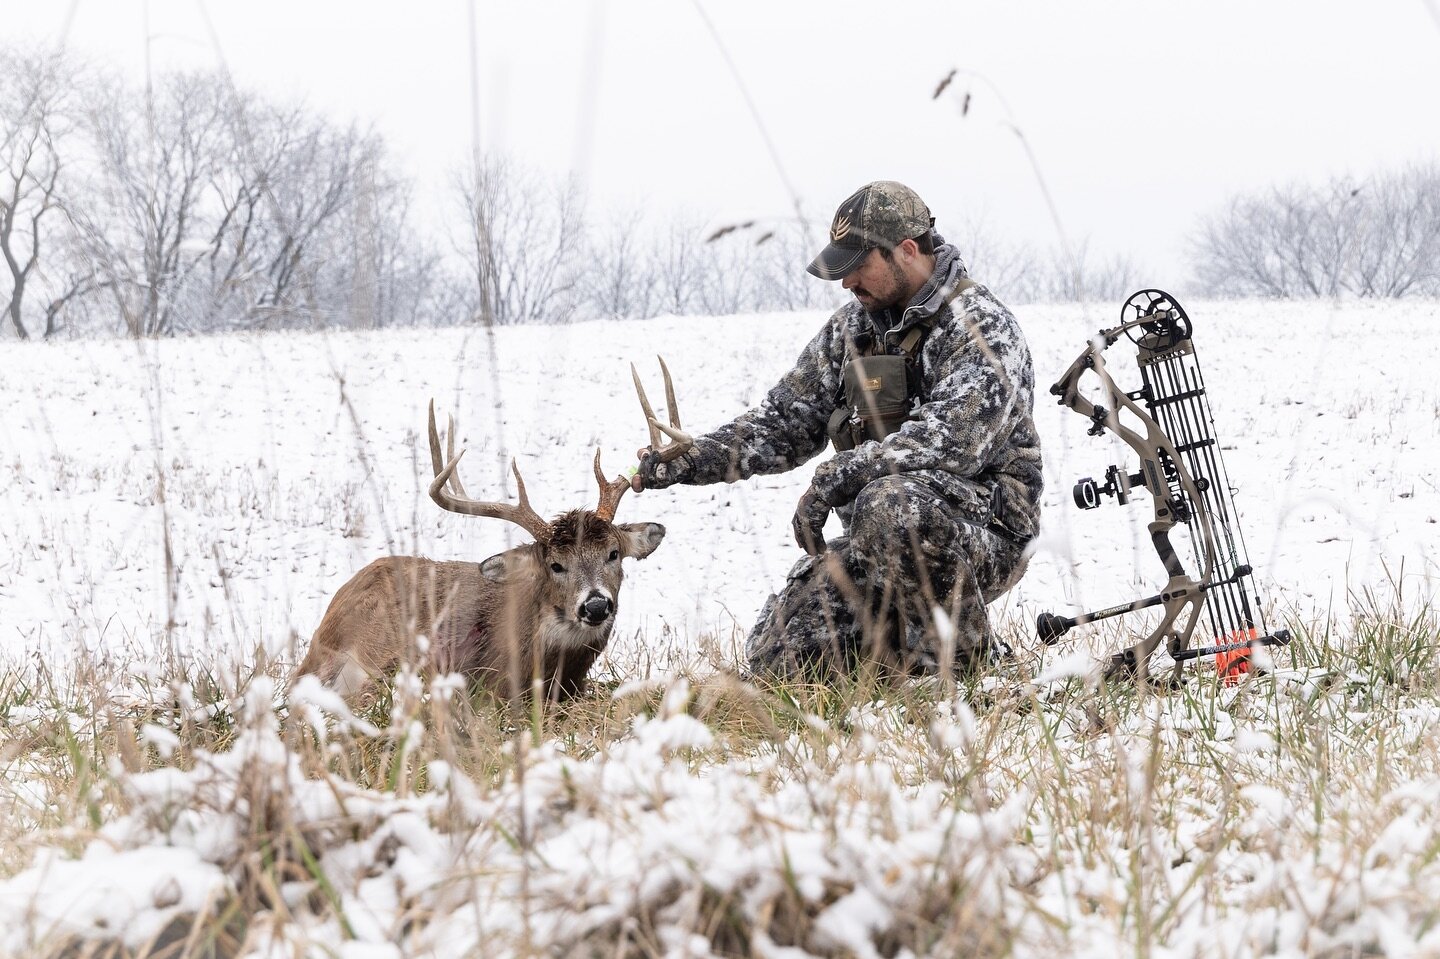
(872, 594)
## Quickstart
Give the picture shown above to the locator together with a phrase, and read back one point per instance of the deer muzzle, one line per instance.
(596, 609)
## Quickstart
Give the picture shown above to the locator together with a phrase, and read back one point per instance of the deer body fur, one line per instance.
(499, 623)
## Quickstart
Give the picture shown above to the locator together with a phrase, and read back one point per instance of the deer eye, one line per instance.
(614, 554)
(556, 568)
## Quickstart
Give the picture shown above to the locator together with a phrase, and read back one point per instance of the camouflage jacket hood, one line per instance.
(972, 436)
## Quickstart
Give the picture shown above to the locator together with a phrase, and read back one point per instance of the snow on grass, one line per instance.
(705, 817)
(178, 513)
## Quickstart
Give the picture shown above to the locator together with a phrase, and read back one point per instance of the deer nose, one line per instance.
(596, 609)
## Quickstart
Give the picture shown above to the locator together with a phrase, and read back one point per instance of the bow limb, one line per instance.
(1181, 595)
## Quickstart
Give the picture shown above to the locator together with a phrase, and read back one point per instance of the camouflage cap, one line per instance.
(879, 214)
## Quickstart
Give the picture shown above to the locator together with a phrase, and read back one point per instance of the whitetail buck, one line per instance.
(539, 611)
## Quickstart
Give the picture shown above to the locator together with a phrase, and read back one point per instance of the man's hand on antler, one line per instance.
(666, 460)
(809, 522)
(652, 472)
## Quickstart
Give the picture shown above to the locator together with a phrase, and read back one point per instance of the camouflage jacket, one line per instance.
(972, 436)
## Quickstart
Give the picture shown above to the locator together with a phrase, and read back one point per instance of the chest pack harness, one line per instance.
(881, 388)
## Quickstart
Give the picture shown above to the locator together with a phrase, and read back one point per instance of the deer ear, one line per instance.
(493, 568)
(519, 561)
(638, 540)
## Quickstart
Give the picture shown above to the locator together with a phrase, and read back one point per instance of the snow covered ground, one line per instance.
(272, 467)
(193, 500)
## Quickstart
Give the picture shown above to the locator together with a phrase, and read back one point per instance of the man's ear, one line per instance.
(638, 540)
(909, 248)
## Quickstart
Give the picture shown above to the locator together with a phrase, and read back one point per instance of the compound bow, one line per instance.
(1182, 469)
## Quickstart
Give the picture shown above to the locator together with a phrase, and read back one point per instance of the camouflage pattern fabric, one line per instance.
(871, 596)
(880, 214)
(883, 213)
(971, 441)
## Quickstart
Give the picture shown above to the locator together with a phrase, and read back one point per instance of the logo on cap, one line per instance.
(839, 228)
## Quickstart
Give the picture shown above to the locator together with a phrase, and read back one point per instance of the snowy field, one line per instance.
(273, 467)
(181, 508)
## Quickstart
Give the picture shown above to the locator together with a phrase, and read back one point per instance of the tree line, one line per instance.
(189, 205)
(1372, 237)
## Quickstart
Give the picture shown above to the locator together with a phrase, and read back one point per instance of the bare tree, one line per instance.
(1397, 247)
(33, 101)
(77, 282)
(521, 239)
(678, 261)
(1378, 237)
(236, 200)
(216, 209)
(323, 186)
(620, 279)
(725, 281)
(318, 223)
(152, 224)
(1312, 233)
(1078, 277)
(1012, 270)
(403, 271)
(780, 282)
(280, 201)
(1233, 252)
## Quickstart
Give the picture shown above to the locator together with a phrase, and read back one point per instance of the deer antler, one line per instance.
(447, 491)
(680, 441)
(610, 492)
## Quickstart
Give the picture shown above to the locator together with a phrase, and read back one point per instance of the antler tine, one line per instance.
(524, 504)
(670, 393)
(436, 463)
(655, 438)
(455, 484)
(681, 442)
(448, 494)
(610, 492)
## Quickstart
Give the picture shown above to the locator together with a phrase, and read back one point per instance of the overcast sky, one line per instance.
(1141, 116)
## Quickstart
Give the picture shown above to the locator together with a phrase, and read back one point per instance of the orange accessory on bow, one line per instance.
(1233, 664)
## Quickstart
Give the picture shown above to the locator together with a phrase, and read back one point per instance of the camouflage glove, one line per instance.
(653, 474)
(809, 522)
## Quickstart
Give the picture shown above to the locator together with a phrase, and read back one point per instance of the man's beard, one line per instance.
(895, 297)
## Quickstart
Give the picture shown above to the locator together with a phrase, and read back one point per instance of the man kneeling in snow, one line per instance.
(924, 386)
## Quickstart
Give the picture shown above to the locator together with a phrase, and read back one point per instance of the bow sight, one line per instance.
(1182, 470)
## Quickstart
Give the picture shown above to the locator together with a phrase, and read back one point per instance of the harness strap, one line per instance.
(912, 339)
(847, 426)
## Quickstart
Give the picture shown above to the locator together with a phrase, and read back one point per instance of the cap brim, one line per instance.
(836, 262)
